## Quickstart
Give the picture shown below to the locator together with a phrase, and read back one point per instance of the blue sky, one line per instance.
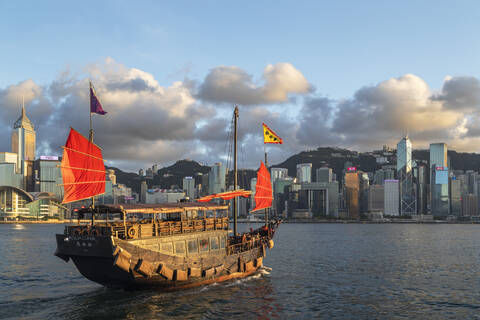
(339, 48)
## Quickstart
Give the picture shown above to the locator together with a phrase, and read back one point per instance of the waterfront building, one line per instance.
(471, 179)
(383, 174)
(320, 198)
(23, 140)
(352, 194)
(189, 187)
(140, 173)
(439, 198)
(421, 173)
(456, 187)
(280, 184)
(8, 157)
(279, 198)
(440, 201)
(278, 173)
(155, 169)
(216, 179)
(363, 192)
(304, 172)
(469, 205)
(253, 184)
(324, 175)
(408, 200)
(107, 196)
(143, 192)
(438, 156)
(48, 176)
(17, 204)
(378, 177)
(156, 196)
(392, 196)
(293, 198)
(122, 194)
(9, 173)
(13, 203)
(376, 198)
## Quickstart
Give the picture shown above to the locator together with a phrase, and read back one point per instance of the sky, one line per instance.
(349, 74)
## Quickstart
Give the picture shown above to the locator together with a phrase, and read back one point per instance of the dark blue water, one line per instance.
(317, 271)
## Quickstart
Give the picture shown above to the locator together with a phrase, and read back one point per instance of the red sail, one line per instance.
(83, 171)
(263, 189)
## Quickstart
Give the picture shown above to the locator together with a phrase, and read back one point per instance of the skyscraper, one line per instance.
(391, 198)
(304, 172)
(189, 187)
(440, 206)
(438, 156)
(216, 179)
(408, 200)
(23, 140)
(352, 194)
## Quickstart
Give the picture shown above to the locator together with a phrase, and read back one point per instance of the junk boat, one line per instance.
(165, 246)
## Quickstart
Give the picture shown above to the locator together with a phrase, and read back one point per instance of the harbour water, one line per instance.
(322, 271)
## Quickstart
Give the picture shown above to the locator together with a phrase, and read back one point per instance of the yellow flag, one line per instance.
(269, 136)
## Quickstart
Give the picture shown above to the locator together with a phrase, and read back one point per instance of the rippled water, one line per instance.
(315, 271)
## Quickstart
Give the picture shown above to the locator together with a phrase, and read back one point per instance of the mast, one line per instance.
(235, 116)
(266, 209)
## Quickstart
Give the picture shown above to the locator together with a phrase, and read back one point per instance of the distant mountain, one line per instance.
(334, 158)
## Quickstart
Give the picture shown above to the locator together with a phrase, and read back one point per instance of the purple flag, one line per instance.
(95, 105)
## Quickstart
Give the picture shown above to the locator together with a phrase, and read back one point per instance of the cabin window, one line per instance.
(203, 244)
(222, 242)
(180, 247)
(192, 246)
(166, 247)
(210, 214)
(214, 243)
(192, 214)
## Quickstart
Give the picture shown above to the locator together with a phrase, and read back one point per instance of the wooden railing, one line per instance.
(244, 246)
(157, 228)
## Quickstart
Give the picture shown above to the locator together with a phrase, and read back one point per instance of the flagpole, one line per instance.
(91, 140)
(90, 113)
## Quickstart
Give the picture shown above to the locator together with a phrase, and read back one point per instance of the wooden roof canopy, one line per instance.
(165, 207)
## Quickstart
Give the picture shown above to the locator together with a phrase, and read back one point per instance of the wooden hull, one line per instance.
(127, 264)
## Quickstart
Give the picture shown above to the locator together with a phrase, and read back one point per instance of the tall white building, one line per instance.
(304, 172)
(408, 199)
(391, 198)
(278, 173)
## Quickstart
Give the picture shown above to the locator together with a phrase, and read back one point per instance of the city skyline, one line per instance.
(169, 95)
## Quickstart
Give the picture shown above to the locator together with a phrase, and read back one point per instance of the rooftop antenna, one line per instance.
(23, 106)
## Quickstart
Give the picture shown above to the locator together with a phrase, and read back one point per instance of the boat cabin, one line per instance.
(144, 221)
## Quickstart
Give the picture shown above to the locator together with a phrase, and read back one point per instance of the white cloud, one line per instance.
(149, 123)
(230, 84)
